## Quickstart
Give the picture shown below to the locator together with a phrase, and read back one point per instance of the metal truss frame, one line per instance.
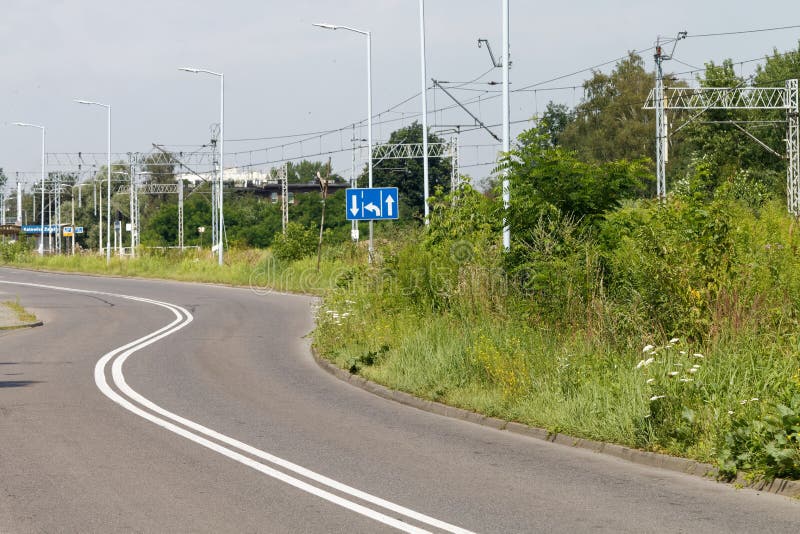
(416, 151)
(153, 189)
(703, 99)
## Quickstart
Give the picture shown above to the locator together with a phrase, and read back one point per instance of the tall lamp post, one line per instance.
(220, 220)
(423, 65)
(506, 125)
(108, 175)
(44, 140)
(368, 35)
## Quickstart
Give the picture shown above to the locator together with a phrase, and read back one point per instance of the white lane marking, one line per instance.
(183, 318)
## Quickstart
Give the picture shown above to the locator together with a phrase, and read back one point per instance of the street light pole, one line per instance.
(220, 219)
(108, 175)
(368, 35)
(425, 171)
(44, 143)
(506, 124)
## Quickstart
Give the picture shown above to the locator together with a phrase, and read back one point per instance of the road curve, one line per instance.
(152, 406)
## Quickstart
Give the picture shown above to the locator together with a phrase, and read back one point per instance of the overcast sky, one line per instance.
(283, 76)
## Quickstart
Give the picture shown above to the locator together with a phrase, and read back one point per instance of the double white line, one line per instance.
(225, 445)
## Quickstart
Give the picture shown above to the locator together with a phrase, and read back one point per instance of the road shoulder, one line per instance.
(787, 488)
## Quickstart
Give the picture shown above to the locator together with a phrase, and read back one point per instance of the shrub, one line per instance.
(298, 242)
(769, 444)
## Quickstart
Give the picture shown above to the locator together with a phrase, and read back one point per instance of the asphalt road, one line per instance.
(220, 421)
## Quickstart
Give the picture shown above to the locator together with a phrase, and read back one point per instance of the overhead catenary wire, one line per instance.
(741, 32)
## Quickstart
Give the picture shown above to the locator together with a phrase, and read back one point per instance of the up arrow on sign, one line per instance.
(389, 204)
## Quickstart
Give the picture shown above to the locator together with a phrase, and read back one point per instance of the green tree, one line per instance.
(610, 123)
(555, 119)
(547, 179)
(306, 171)
(407, 174)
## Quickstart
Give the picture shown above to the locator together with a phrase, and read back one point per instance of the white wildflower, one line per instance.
(640, 364)
(683, 352)
(329, 311)
(743, 402)
(648, 361)
(696, 366)
(656, 397)
(730, 412)
(687, 380)
(674, 340)
(754, 399)
(648, 348)
(698, 355)
(677, 365)
(693, 370)
(349, 302)
(673, 373)
(650, 380)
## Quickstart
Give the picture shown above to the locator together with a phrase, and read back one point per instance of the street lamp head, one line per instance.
(28, 124)
(326, 26)
(199, 71)
(92, 103)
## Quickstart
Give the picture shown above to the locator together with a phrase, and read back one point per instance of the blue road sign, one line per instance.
(79, 229)
(372, 204)
(37, 229)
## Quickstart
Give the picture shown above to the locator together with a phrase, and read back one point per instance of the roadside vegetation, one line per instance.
(22, 315)
(668, 326)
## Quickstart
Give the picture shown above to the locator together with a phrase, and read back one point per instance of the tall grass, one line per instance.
(557, 338)
(251, 268)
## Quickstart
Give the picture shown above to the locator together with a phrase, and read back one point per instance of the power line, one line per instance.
(690, 36)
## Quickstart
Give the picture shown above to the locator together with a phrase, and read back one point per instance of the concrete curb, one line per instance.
(22, 325)
(788, 488)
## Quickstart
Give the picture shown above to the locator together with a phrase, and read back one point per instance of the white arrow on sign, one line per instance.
(354, 209)
(389, 204)
(373, 208)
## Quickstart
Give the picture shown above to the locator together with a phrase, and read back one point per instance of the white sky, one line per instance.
(283, 76)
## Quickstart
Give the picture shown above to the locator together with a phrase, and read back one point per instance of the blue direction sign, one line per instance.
(37, 229)
(372, 204)
(79, 229)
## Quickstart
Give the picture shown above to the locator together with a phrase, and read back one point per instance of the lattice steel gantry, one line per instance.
(717, 98)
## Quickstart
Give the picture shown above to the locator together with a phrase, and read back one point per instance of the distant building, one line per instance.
(235, 175)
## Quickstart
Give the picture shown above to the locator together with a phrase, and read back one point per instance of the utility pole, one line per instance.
(19, 203)
(131, 195)
(354, 224)
(506, 124)
(284, 178)
(323, 185)
(100, 218)
(214, 185)
(661, 117)
(425, 171)
(73, 218)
